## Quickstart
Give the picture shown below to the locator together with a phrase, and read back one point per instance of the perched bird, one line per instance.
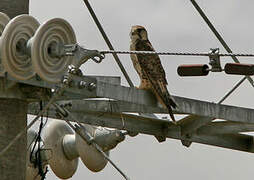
(149, 68)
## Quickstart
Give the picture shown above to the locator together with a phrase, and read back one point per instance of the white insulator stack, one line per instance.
(29, 50)
(63, 147)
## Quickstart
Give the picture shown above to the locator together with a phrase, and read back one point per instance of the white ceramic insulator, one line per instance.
(69, 147)
(92, 159)
(108, 139)
(53, 135)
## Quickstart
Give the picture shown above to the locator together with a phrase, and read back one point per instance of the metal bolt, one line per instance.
(82, 84)
(91, 86)
(71, 69)
(66, 80)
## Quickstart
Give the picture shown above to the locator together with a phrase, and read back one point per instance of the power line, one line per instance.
(217, 34)
(232, 90)
(175, 53)
(105, 37)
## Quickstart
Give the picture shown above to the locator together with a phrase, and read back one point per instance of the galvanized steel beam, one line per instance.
(213, 110)
(186, 106)
(142, 101)
(191, 123)
(158, 127)
(225, 127)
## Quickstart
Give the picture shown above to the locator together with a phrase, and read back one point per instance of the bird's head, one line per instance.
(138, 33)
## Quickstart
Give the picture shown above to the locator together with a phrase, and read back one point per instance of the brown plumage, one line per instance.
(150, 69)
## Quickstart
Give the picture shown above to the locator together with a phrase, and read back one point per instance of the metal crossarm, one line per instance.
(210, 134)
(186, 106)
(142, 99)
(191, 123)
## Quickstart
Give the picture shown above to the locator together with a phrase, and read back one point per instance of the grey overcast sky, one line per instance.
(173, 25)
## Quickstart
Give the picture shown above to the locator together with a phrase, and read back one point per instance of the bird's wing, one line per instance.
(152, 67)
(150, 62)
(135, 61)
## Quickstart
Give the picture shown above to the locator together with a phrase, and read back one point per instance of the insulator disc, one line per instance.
(4, 19)
(53, 135)
(15, 36)
(92, 159)
(54, 32)
(193, 70)
(239, 69)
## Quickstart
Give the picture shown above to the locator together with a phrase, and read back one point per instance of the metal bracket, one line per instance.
(165, 129)
(214, 60)
(81, 54)
(83, 132)
(185, 141)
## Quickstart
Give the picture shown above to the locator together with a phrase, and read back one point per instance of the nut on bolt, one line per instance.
(82, 84)
(89, 86)
(65, 80)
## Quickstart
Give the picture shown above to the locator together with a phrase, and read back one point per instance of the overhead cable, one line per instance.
(217, 34)
(175, 53)
(105, 37)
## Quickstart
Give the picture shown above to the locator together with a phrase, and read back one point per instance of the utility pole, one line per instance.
(14, 8)
(13, 112)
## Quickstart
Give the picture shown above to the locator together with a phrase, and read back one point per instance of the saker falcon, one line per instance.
(149, 68)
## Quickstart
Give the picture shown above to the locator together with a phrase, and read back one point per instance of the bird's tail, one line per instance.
(165, 99)
(168, 102)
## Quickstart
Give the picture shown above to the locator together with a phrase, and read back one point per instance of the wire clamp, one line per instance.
(82, 131)
(82, 54)
(214, 60)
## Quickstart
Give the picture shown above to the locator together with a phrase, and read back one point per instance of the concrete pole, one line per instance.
(12, 120)
(14, 7)
(13, 112)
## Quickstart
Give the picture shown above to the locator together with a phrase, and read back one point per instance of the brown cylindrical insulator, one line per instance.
(193, 70)
(239, 69)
